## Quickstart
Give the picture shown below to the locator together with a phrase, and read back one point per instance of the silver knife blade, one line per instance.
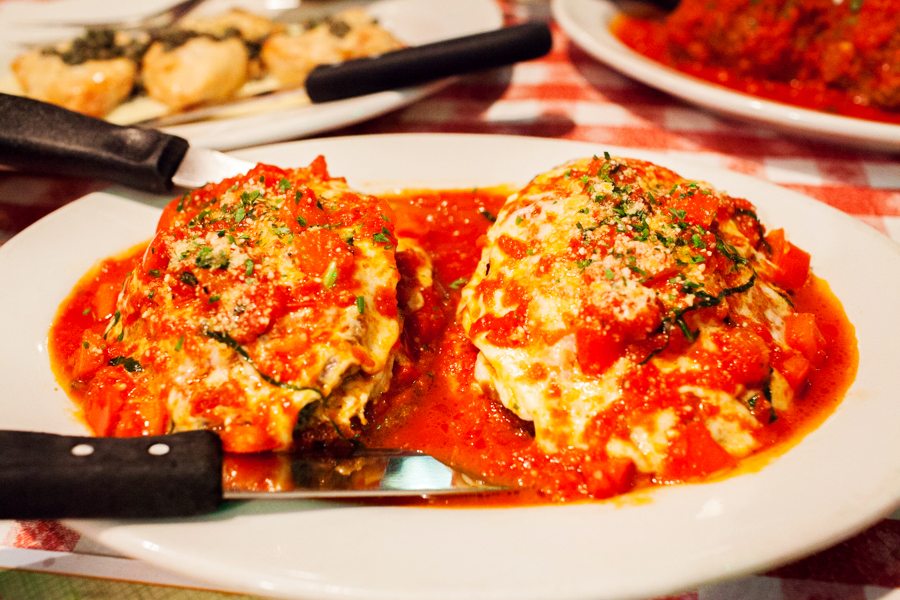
(365, 473)
(201, 166)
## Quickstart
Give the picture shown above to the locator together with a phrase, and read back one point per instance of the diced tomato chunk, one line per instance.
(795, 369)
(614, 477)
(104, 302)
(791, 263)
(170, 214)
(699, 209)
(744, 354)
(597, 350)
(156, 257)
(694, 453)
(324, 253)
(319, 168)
(89, 356)
(106, 395)
(142, 415)
(802, 334)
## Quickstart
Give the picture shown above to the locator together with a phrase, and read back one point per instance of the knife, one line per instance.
(37, 136)
(48, 476)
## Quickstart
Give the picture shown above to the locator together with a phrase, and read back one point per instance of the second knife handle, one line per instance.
(41, 137)
(420, 64)
(46, 476)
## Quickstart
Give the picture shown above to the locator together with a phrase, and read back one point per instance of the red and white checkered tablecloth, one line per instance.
(566, 95)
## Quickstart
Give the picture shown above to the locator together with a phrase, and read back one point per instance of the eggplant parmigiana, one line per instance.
(257, 297)
(618, 305)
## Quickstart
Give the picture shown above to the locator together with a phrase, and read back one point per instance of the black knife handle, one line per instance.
(46, 476)
(40, 137)
(428, 62)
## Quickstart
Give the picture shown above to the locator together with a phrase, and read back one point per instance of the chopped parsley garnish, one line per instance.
(458, 283)
(331, 274)
(248, 267)
(239, 214)
(382, 236)
(180, 343)
(284, 184)
(489, 216)
(360, 304)
(303, 222)
(248, 197)
(215, 298)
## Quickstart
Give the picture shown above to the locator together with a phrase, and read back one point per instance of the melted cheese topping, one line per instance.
(607, 274)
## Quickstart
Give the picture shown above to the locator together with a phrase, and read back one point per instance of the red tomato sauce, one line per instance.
(772, 61)
(425, 408)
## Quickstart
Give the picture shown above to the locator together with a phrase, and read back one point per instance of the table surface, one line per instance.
(565, 95)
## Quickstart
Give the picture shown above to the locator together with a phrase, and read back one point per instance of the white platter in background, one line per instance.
(587, 23)
(839, 479)
(412, 21)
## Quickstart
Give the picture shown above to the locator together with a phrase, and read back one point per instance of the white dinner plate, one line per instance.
(588, 22)
(413, 22)
(839, 479)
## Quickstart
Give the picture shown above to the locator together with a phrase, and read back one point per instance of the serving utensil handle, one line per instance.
(420, 64)
(40, 137)
(47, 476)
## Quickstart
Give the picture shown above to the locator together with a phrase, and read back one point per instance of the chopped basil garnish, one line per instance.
(223, 338)
(130, 365)
(187, 278)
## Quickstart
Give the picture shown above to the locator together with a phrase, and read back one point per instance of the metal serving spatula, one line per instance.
(47, 476)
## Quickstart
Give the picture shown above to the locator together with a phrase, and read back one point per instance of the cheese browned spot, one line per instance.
(620, 305)
(259, 297)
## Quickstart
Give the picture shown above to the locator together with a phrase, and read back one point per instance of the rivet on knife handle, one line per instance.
(429, 62)
(46, 476)
(41, 137)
